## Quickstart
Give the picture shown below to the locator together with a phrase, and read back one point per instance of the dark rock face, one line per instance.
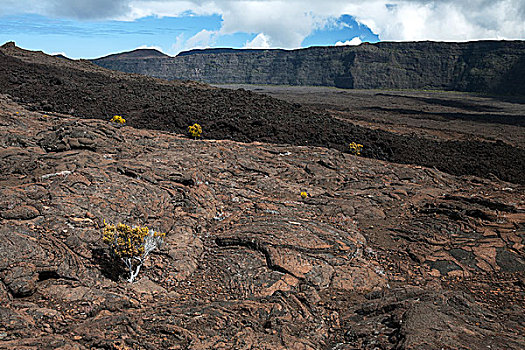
(137, 54)
(485, 66)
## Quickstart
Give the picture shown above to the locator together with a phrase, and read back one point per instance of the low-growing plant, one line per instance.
(195, 130)
(356, 148)
(131, 245)
(118, 119)
(304, 195)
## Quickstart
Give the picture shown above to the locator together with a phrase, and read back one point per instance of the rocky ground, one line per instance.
(435, 115)
(378, 256)
(45, 83)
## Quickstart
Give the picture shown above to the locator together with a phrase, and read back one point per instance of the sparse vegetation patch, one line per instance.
(195, 130)
(131, 245)
(356, 148)
(118, 119)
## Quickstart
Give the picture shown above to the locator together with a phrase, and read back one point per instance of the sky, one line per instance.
(95, 28)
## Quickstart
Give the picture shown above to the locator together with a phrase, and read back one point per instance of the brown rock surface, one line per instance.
(378, 256)
(84, 90)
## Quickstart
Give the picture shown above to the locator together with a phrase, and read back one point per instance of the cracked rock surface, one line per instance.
(378, 256)
(81, 89)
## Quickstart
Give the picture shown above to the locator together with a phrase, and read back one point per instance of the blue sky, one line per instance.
(94, 28)
(96, 38)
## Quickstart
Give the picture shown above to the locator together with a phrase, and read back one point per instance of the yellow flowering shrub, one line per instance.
(304, 194)
(131, 245)
(118, 119)
(195, 130)
(356, 148)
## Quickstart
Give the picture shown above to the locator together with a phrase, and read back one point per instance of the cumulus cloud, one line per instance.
(353, 42)
(261, 41)
(178, 46)
(445, 20)
(58, 53)
(287, 23)
(201, 40)
(283, 22)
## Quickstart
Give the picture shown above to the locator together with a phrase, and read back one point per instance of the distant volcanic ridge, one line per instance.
(495, 67)
(137, 54)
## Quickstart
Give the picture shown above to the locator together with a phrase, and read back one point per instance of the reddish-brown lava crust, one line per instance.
(379, 256)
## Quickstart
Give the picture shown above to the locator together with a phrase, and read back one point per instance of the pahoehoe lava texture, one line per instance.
(87, 91)
(378, 256)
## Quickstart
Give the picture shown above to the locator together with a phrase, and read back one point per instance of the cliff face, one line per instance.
(486, 66)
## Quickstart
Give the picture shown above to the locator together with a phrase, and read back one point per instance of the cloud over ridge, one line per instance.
(280, 23)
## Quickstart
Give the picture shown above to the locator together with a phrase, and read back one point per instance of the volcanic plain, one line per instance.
(417, 243)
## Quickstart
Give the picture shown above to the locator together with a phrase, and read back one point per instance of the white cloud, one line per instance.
(445, 20)
(178, 46)
(354, 42)
(170, 8)
(261, 41)
(286, 23)
(58, 53)
(201, 40)
(148, 47)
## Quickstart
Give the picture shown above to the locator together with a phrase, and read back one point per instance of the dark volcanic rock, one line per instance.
(362, 263)
(88, 91)
(484, 66)
(24, 212)
(21, 280)
(138, 54)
